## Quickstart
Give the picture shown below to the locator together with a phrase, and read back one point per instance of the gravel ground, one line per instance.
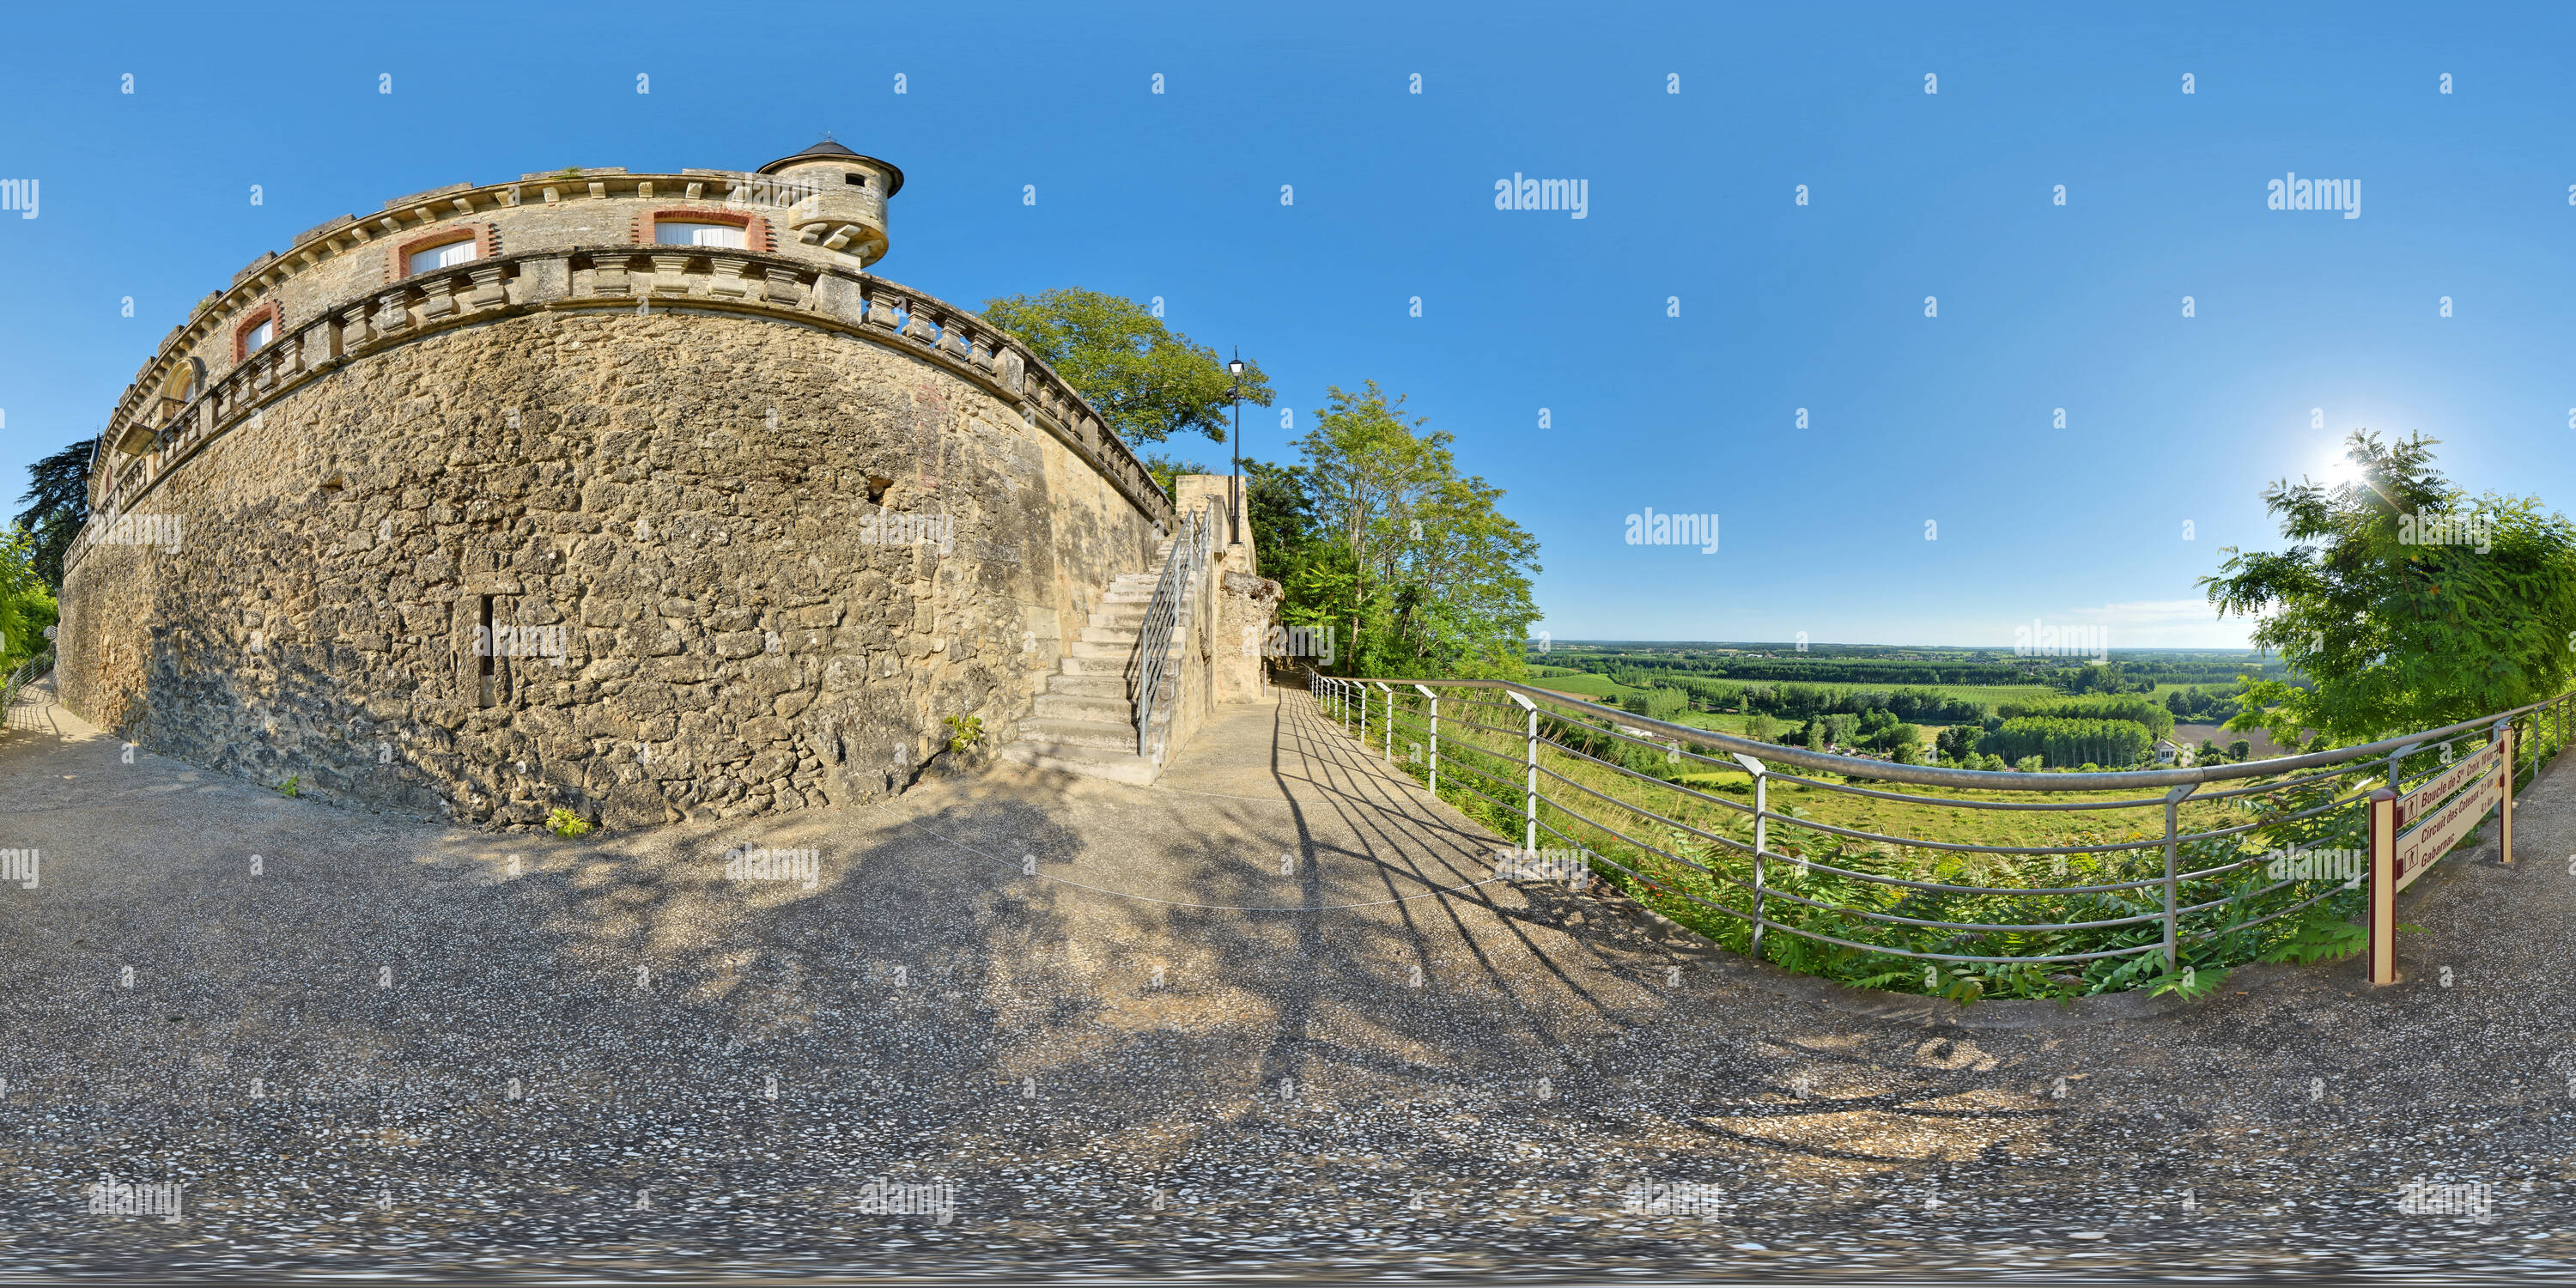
(1195, 1042)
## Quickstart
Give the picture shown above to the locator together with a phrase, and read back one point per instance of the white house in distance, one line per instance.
(2169, 752)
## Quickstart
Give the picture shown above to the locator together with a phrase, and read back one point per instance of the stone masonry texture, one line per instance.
(738, 637)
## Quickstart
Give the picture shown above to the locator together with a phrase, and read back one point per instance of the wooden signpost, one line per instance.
(2399, 854)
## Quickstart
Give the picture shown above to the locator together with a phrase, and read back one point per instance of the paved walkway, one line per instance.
(1268, 1015)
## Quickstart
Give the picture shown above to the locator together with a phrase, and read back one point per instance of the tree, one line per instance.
(2239, 750)
(1282, 515)
(26, 606)
(2393, 632)
(1417, 561)
(58, 487)
(1149, 381)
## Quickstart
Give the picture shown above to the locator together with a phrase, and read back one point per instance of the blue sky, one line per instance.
(1910, 419)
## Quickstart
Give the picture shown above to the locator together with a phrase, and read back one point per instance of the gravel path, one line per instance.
(1267, 1017)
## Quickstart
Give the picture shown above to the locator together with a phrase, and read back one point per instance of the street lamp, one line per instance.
(1235, 395)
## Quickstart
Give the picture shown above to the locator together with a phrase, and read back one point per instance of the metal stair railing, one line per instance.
(32, 670)
(1153, 669)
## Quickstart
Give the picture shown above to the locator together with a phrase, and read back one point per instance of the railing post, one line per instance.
(1761, 838)
(1361, 691)
(2382, 919)
(2173, 873)
(2504, 811)
(1529, 843)
(1432, 761)
(1389, 732)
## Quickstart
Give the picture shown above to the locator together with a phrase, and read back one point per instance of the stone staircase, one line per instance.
(1085, 721)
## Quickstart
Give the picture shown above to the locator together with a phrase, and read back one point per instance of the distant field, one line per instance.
(1543, 671)
(1986, 693)
(1585, 685)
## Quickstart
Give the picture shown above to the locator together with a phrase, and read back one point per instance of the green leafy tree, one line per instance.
(1415, 561)
(58, 493)
(2239, 750)
(26, 605)
(2393, 634)
(1168, 469)
(1282, 514)
(1150, 381)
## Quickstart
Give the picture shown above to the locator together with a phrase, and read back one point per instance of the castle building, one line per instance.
(637, 495)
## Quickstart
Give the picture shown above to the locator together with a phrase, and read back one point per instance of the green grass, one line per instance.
(1585, 685)
(2213, 941)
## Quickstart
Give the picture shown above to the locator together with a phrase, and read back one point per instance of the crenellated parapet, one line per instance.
(586, 239)
(795, 238)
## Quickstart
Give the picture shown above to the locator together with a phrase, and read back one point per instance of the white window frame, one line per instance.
(444, 255)
(731, 236)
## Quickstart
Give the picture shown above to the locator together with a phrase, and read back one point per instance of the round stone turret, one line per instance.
(836, 199)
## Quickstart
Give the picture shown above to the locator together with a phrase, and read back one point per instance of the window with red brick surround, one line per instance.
(755, 229)
(399, 267)
(250, 321)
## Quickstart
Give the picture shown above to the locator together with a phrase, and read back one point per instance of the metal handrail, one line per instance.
(1351, 697)
(28, 672)
(1152, 669)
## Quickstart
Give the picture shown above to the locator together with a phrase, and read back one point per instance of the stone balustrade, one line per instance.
(639, 277)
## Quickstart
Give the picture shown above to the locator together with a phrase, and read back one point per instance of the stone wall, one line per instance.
(732, 520)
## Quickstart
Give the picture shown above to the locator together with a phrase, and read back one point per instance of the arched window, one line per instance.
(440, 248)
(256, 331)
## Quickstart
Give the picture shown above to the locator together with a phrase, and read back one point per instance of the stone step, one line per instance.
(1115, 710)
(1090, 648)
(1090, 762)
(1078, 664)
(1087, 686)
(1098, 633)
(1120, 616)
(1079, 733)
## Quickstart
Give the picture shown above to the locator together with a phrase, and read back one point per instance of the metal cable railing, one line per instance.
(27, 673)
(2165, 889)
(1153, 671)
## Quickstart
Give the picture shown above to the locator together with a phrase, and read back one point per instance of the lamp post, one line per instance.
(1235, 498)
